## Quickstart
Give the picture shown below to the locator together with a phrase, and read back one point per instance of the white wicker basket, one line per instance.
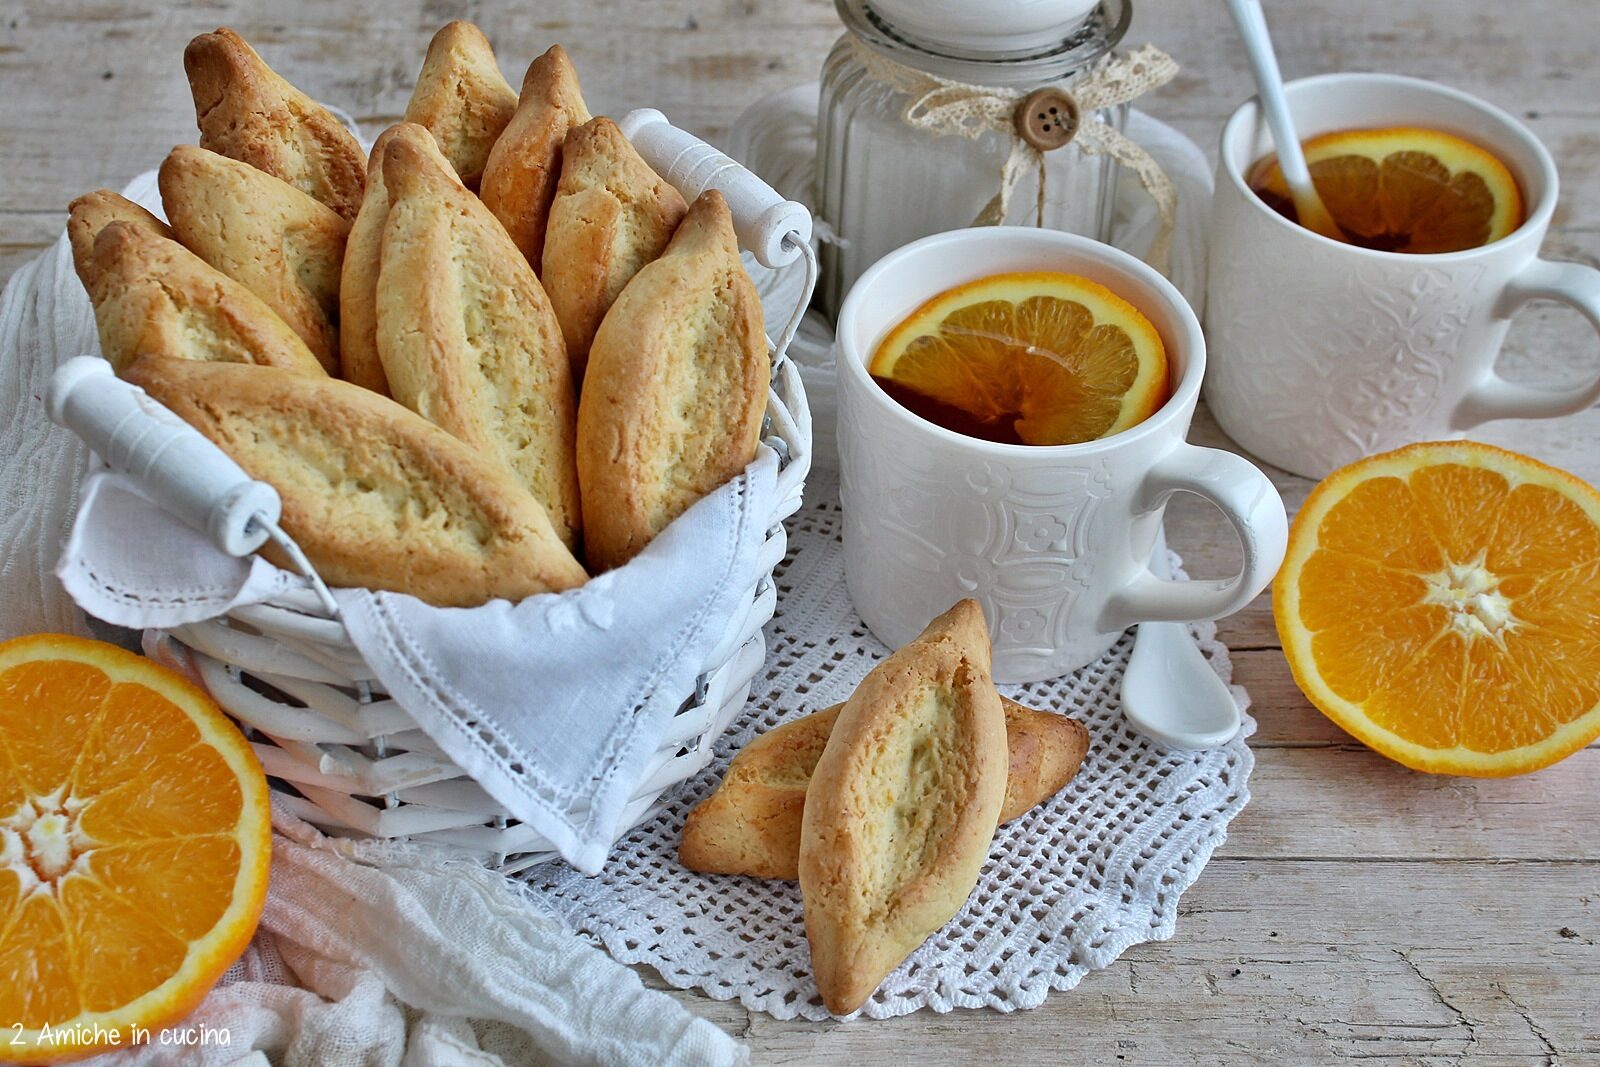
(351, 760)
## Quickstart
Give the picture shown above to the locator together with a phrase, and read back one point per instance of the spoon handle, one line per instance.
(1252, 24)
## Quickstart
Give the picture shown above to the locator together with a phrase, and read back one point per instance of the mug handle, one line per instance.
(1493, 397)
(1250, 502)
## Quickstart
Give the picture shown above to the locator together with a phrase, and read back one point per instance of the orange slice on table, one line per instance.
(1037, 358)
(1442, 604)
(134, 841)
(1405, 189)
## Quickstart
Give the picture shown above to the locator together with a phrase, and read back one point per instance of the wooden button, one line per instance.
(1047, 118)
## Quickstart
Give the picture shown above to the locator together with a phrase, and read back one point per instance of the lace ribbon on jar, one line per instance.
(940, 106)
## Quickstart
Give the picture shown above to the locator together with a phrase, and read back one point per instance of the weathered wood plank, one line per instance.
(1532, 61)
(1477, 963)
(1352, 803)
(80, 125)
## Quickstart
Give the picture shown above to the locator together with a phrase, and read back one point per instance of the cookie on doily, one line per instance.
(1068, 886)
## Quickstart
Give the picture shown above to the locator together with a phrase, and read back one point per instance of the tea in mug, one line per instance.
(1036, 358)
(1403, 189)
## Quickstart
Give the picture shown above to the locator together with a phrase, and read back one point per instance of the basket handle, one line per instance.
(175, 466)
(773, 229)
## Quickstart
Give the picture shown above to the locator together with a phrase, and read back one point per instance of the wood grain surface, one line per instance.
(1357, 910)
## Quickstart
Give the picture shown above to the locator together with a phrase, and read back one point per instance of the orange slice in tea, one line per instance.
(1440, 603)
(1405, 189)
(134, 840)
(1036, 358)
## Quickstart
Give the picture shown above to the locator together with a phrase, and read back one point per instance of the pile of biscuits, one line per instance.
(497, 355)
(884, 807)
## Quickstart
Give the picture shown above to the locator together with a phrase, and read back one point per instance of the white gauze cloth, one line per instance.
(372, 954)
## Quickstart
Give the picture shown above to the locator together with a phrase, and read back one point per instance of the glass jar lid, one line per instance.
(992, 58)
(985, 25)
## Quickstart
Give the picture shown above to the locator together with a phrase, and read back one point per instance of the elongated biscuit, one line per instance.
(467, 336)
(462, 99)
(675, 389)
(246, 111)
(359, 361)
(377, 496)
(902, 807)
(91, 213)
(152, 296)
(258, 230)
(751, 824)
(612, 214)
(519, 178)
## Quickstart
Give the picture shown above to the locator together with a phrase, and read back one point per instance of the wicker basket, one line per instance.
(349, 759)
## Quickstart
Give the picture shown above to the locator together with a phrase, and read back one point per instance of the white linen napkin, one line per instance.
(550, 704)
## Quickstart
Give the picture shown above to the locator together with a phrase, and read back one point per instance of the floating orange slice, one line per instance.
(1037, 358)
(1440, 603)
(1404, 189)
(134, 840)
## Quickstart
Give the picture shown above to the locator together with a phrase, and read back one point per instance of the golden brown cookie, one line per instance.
(91, 213)
(258, 230)
(462, 99)
(376, 496)
(467, 336)
(1044, 751)
(247, 112)
(519, 178)
(902, 807)
(675, 389)
(751, 824)
(363, 255)
(152, 296)
(612, 214)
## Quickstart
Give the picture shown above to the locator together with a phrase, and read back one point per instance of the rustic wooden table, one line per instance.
(1357, 909)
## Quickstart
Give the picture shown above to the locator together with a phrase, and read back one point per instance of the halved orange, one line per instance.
(1441, 603)
(134, 843)
(1404, 189)
(1040, 358)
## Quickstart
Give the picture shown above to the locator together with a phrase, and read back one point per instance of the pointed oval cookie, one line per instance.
(675, 389)
(246, 111)
(152, 296)
(359, 361)
(93, 212)
(902, 807)
(612, 214)
(462, 99)
(751, 824)
(467, 336)
(520, 175)
(376, 496)
(264, 233)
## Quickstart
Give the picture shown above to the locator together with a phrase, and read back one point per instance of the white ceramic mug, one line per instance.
(1323, 352)
(1053, 541)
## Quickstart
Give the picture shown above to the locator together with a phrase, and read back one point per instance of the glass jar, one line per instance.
(882, 183)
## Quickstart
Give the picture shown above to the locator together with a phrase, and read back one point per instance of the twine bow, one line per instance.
(940, 106)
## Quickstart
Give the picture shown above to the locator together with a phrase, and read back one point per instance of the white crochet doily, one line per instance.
(1068, 887)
